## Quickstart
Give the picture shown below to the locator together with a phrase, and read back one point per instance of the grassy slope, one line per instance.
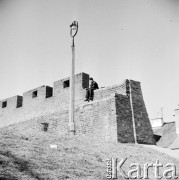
(28, 156)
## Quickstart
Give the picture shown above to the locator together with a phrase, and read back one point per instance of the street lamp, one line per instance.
(73, 32)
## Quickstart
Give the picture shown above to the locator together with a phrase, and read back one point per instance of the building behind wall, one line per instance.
(108, 117)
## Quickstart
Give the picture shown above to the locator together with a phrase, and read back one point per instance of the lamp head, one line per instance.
(74, 28)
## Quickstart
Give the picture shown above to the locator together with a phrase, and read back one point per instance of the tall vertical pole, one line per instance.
(72, 91)
(132, 109)
(162, 115)
(73, 32)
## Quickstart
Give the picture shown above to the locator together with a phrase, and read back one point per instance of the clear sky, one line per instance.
(117, 39)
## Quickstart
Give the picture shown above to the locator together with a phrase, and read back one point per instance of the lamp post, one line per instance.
(73, 32)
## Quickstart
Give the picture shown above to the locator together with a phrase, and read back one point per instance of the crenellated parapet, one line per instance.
(59, 93)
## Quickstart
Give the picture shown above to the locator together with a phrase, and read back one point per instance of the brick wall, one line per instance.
(125, 133)
(108, 117)
(62, 93)
(41, 101)
(143, 126)
(107, 91)
(95, 119)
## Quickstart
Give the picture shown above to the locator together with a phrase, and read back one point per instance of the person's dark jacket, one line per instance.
(94, 85)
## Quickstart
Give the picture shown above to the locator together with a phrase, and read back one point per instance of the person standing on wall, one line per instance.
(90, 91)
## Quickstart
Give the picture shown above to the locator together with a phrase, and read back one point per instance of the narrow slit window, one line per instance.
(4, 104)
(49, 92)
(19, 102)
(34, 94)
(66, 84)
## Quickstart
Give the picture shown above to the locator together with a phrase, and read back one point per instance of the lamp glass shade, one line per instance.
(74, 28)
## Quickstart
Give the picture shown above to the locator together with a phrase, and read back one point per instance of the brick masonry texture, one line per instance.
(108, 117)
(143, 126)
(125, 133)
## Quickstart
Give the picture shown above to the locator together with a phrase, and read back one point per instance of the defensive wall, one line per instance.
(108, 117)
